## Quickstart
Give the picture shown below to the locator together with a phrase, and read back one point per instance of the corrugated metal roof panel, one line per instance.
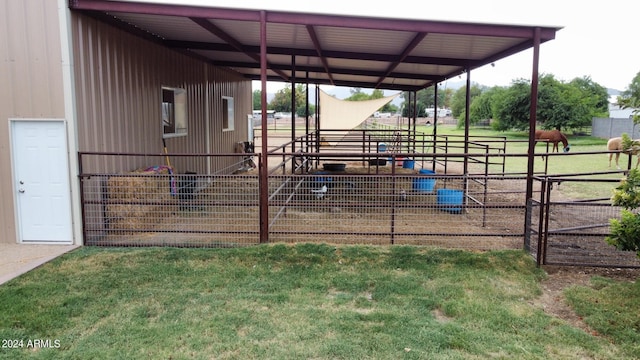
(169, 27)
(357, 51)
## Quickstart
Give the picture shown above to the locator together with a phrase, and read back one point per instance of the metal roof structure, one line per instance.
(352, 51)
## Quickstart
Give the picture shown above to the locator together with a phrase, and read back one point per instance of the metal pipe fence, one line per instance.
(379, 204)
(572, 232)
(349, 191)
(154, 205)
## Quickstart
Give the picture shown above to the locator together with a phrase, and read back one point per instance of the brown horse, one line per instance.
(554, 137)
(616, 144)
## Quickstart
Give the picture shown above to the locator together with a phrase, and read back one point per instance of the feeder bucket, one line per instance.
(450, 199)
(408, 164)
(424, 184)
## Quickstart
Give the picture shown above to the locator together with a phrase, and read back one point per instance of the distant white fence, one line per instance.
(613, 127)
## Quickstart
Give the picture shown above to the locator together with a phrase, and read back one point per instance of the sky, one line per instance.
(598, 39)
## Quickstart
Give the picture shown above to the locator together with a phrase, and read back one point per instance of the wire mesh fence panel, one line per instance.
(576, 236)
(366, 187)
(171, 209)
(460, 212)
(361, 205)
(534, 230)
(330, 207)
(576, 227)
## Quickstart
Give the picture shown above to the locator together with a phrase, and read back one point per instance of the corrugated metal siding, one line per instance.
(31, 78)
(118, 82)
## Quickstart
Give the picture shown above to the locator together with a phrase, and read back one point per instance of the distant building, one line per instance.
(616, 112)
(429, 112)
(621, 113)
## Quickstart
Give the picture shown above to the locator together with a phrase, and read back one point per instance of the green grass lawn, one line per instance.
(580, 160)
(307, 301)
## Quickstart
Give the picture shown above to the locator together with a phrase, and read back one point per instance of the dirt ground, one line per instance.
(552, 300)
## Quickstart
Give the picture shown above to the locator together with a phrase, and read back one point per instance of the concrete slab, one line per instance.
(17, 259)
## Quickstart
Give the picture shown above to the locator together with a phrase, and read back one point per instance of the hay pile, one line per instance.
(138, 200)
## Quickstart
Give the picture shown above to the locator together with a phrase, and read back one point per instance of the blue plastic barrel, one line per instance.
(451, 199)
(426, 183)
(408, 164)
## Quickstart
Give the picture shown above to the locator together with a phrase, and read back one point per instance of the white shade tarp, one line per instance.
(344, 114)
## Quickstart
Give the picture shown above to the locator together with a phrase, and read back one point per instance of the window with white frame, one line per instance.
(174, 112)
(227, 113)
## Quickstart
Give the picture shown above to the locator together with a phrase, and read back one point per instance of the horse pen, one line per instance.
(366, 186)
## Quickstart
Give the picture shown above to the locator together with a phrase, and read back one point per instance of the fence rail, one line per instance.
(572, 232)
(379, 204)
(401, 193)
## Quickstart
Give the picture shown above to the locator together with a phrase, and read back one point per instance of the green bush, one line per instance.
(625, 233)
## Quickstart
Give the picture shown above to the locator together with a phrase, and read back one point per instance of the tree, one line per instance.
(560, 105)
(425, 98)
(257, 99)
(630, 98)
(625, 232)
(459, 99)
(302, 110)
(358, 95)
(512, 107)
(570, 105)
(386, 108)
(482, 106)
(407, 108)
(281, 102)
(596, 95)
(376, 94)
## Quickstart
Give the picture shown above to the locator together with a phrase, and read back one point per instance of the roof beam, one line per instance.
(118, 23)
(316, 45)
(210, 27)
(370, 73)
(408, 49)
(472, 65)
(427, 26)
(346, 83)
(326, 54)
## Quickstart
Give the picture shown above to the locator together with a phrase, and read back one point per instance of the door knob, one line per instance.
(21, 191)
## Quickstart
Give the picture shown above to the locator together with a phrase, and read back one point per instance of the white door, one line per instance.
(41, 181)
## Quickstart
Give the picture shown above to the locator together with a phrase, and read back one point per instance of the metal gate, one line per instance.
(570, 232)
